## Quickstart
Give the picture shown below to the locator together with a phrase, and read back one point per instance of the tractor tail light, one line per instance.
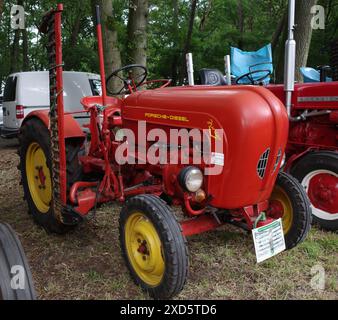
(20, 112)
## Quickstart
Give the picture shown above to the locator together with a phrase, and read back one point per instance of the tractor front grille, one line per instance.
(262, 164)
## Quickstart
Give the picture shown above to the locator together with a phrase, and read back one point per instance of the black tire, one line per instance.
(310, 163)
(34, 131)
(173, 243)
(301, 209)
(12, 255)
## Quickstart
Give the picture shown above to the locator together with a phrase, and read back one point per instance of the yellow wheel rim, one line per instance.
(144, 249)
(38, 177)
(281, 196)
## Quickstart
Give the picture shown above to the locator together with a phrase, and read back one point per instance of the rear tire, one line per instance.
(153, 246)
(318, 174)
(12, 255)
(289, 202)
(34, 137)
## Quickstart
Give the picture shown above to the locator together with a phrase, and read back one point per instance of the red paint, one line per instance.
(199, 225)
(317, 132)
(60, 104)
(276, 209)
(71, 128)
(42, 177)
(323, 192)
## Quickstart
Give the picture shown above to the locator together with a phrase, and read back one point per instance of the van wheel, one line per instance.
(153, 246)
(318, 174)
(12, 255)
(35, 167)
(290, 203)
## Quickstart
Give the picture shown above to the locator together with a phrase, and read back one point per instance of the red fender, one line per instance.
(72, 128)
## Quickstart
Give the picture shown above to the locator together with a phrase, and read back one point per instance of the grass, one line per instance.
(87, 263)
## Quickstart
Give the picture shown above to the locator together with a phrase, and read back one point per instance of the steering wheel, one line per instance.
(250, 74)
(126, 75)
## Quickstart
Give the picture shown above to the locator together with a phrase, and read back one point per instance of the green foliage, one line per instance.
(218, 25)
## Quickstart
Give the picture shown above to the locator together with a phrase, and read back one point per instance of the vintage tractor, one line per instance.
(15, 277)
(239, 133)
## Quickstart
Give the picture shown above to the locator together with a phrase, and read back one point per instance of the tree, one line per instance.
(137, 31)
(1, 8)
(187, 44)
(110, 38)
(303, 34)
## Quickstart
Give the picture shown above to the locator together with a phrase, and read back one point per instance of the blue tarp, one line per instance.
(312, 75)
(243, 62)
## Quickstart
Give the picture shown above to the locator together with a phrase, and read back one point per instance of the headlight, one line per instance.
(191, 179)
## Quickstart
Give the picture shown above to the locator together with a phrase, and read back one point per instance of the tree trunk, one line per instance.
(75, 30)
(187, 45)
(279, 31)
(303, 33)
(240, 23)
(205, 15)
(15, 50)
(175, 52)
(25, 53)
(112, 56)
(137, 31)
(1, 8)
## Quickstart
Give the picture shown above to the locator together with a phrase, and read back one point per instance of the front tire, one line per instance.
(318, 174)
(35, 166)
(153, 246)
(289, 202)
(13, 261)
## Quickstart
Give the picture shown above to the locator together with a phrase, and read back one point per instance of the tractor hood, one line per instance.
(255, 126)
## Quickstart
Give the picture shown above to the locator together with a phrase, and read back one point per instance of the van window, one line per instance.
(96, 87)
(10, 89)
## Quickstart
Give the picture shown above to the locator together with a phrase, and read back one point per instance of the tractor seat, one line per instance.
(212, 77)
(89, 102)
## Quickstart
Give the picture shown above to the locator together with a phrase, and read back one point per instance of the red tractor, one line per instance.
(67, 173)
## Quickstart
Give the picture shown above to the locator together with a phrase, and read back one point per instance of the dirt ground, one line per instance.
(87, 264)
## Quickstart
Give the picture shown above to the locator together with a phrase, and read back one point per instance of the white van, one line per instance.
(29, 91)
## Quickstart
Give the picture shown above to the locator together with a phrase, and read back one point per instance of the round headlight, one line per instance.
(191, 178)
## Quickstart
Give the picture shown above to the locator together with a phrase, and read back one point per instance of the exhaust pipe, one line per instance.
(290, 61)
(228, 69)
(190, 69)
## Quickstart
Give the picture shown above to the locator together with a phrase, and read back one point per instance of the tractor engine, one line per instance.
(254, 130)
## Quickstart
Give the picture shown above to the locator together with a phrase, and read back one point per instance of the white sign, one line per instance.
(217, 159)
(269, 240)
